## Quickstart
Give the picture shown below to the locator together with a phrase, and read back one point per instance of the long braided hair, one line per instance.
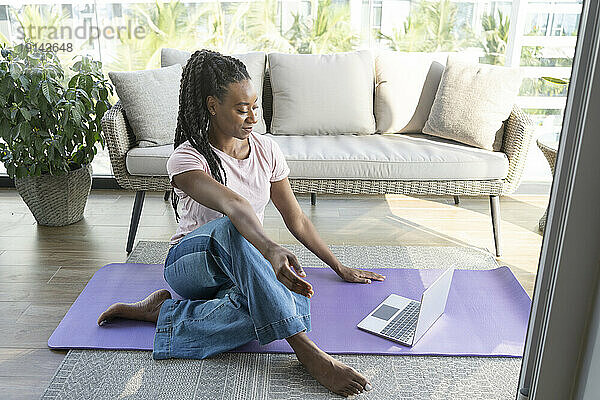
(206, 73)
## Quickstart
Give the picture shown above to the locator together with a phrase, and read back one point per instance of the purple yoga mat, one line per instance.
(486, 314)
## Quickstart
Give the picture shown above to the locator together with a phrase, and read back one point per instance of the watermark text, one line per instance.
(85, 31)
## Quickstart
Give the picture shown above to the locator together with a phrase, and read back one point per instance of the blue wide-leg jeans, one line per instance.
(231, 296)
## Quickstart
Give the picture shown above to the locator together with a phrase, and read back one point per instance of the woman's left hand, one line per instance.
(358, 275)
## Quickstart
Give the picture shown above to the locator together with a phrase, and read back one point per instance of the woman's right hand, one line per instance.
(282, 260)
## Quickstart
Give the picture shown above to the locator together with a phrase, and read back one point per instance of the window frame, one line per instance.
(557, 346)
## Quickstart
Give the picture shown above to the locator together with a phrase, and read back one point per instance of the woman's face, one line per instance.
(238, 112)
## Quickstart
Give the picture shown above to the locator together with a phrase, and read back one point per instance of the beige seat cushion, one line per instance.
(411, 156)
(322, 94)
(389, 156)
(148, 161)
(472, 102)
(255, 62)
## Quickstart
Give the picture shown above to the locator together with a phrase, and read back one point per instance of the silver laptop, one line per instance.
(404, 320)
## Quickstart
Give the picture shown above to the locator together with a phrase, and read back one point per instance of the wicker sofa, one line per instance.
(516, 140)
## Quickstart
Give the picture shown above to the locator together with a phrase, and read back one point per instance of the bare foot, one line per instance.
(334, 375)
(144, 310)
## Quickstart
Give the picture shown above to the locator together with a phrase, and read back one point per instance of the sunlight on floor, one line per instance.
(133, 384)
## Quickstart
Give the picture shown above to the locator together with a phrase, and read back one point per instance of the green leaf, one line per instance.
(103, 93)
(46, 91)
(18, 96)
(100, 109)
(25, 131)
(557, 81)
(4, 129)
(25, 113)
(85, 95)
(76, 115)
(22, 171)
(14, 133)
(15, 70)
(73, 81)
(10, 170)
(24, 81)
(87, 83)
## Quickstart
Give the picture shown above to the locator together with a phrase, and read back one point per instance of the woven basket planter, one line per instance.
(56, 200)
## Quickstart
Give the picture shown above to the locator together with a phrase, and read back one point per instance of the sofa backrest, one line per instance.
(390, 104)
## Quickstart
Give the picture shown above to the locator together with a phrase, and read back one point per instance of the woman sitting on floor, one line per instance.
(238, 284)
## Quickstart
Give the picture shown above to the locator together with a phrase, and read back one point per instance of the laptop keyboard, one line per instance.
(402, 327)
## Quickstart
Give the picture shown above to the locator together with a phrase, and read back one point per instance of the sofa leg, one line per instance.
(313, 199)
(167, 193)
(495, 209)
(456, 200)
(135, 218)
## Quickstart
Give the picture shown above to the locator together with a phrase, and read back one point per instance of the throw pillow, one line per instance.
(322, 94)
(150, 99)
(471, 103)
(254, 61)
(405, 87)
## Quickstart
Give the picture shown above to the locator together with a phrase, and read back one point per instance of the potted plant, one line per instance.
(49, 128)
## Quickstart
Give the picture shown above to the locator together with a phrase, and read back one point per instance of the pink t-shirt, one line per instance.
(250, 178)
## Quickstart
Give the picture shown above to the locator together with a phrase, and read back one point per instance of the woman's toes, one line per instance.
(360, 379)
(357, 387)
(106, 315)
(351, 389)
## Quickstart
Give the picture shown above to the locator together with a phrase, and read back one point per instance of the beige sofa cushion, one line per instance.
(412, 156)
(471, 103)
(405, 87)
(322, 94)
(150, 99)
(254, 61)
(148, 161)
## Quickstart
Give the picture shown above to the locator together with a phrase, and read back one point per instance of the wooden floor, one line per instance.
(43, 269)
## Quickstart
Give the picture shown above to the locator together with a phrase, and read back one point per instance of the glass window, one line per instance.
(565, 25)
(377, 15)
(3, 13)
(542, 88)
(464, 14)
(536, 24)
(306, 7)
(88, 9)
(117, 10)
(140, 29)
(67, 10)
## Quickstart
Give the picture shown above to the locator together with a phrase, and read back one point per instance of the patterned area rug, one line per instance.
(110, 374)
